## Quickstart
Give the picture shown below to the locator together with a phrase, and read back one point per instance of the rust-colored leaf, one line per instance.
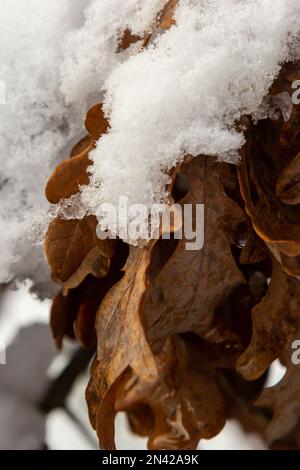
(119, 325)
(269, 180)
(102, 411)
(274, 324)
(84, 144)
(96, 123)
(73, 172)
(167, 20)
(186, 402)
(94, 263)
(68, 177)
(283, 401)
(288, 183)
(62, 318)
(127, 40)
(69, 242)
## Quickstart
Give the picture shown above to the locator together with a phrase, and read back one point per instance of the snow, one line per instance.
(181, 95)
(185, 92)
(90, 51)
(33, 127)
(50, 65)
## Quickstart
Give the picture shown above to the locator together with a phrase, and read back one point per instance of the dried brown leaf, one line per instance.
(288, 183)
(175, 302)
(62, 318)
(167, 20)
(69, 242)
(283, 401)
(68, 177)
(185, 401)
(275, 321)
(96, 123)
(269, 180)
(121, 338)
(127, 40)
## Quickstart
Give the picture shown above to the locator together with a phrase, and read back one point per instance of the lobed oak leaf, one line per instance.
(176, 303)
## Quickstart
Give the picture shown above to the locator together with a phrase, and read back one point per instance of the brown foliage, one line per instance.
(184, 338)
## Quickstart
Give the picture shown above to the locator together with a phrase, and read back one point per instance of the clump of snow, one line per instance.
(184, 93)
(33, 126)
(52, 67)
(90, 52)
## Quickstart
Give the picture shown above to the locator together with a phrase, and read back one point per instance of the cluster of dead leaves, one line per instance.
(184, 339)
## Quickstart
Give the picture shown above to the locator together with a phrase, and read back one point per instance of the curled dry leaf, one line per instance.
(288, 183)
(68, 246)
(73, 172)
(94, 263)
(126, 308)
(62, 318)
(274, 221)
(102, 410)
(67, 313)
(121, 338)
(185, 401)
(68, 177)
(275, 321)
(96, 123)
(72, 247)
(269, 180)
(74, 311)
(283, 399)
